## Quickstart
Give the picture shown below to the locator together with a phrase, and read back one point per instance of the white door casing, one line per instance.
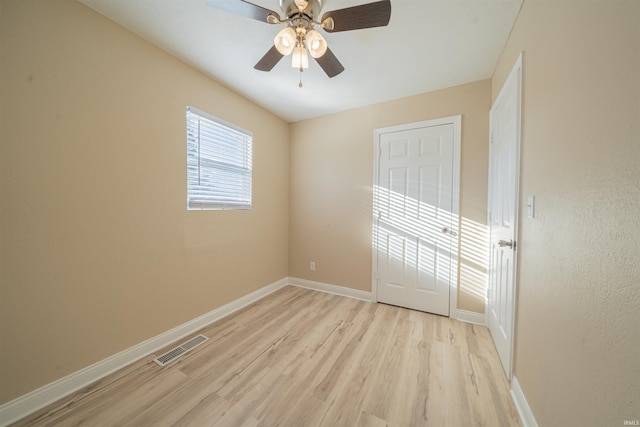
(416, 207)
(502, 214)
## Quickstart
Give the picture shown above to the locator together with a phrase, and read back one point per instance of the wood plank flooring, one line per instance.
(305, 358)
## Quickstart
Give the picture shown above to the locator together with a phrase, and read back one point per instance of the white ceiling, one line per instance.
(428, 45)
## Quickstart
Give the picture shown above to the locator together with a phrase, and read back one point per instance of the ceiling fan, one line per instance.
(301, 18)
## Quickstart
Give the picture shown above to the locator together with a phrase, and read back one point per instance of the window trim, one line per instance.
(196, 202)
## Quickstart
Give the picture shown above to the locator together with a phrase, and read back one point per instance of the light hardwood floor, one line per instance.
(305, 358)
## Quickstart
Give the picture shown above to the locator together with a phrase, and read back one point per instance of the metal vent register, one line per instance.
(173, 354)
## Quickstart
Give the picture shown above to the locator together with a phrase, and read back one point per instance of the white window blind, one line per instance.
(219, 163)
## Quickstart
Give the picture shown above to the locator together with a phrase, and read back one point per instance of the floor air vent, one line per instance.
(173, 354)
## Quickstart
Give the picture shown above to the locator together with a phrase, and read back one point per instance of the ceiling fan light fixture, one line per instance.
(285, 41)
(316, 43)
(300, 18)
(300, 59)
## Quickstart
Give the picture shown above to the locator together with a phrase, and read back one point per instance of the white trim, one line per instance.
(375, 215)
(24, 405)
(331, 289)
(516, 212)
(528, 420)
(471, 317)
(457, 142)
(455, 255)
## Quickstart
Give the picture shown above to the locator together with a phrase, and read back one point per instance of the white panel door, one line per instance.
(415, 228)
(504, 160)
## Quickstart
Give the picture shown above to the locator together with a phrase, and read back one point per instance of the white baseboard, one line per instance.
(331, 289)
(471, 317)
(528, 420)
(37, 399)
(462, 315)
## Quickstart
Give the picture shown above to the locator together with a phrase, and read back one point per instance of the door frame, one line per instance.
(515, 73)
(456, 121)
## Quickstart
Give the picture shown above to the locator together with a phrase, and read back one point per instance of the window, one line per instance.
(218, 163)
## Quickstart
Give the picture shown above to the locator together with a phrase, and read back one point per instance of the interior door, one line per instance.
(504, 162)
(416, 228)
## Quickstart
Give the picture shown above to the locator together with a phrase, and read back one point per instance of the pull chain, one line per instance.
(301, 68)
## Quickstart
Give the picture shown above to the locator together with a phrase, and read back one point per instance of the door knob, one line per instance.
(447, 230)
(504, 243)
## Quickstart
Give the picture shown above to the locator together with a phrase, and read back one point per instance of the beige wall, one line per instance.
(332, 179)
(577, 353)
(98, 251)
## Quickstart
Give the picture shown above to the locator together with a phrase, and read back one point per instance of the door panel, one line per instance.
(427, 266)
(415, 203)
(429, 195)
(503, 213)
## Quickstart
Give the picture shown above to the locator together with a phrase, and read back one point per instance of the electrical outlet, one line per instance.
(312, 265)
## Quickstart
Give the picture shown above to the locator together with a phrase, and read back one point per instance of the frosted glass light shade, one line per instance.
(316, 43)
(285, 41)
(300, 59)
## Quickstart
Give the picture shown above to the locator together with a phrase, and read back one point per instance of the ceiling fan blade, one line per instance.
(330, 64)
(242, 7)
(376, 14)
(269, 60)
